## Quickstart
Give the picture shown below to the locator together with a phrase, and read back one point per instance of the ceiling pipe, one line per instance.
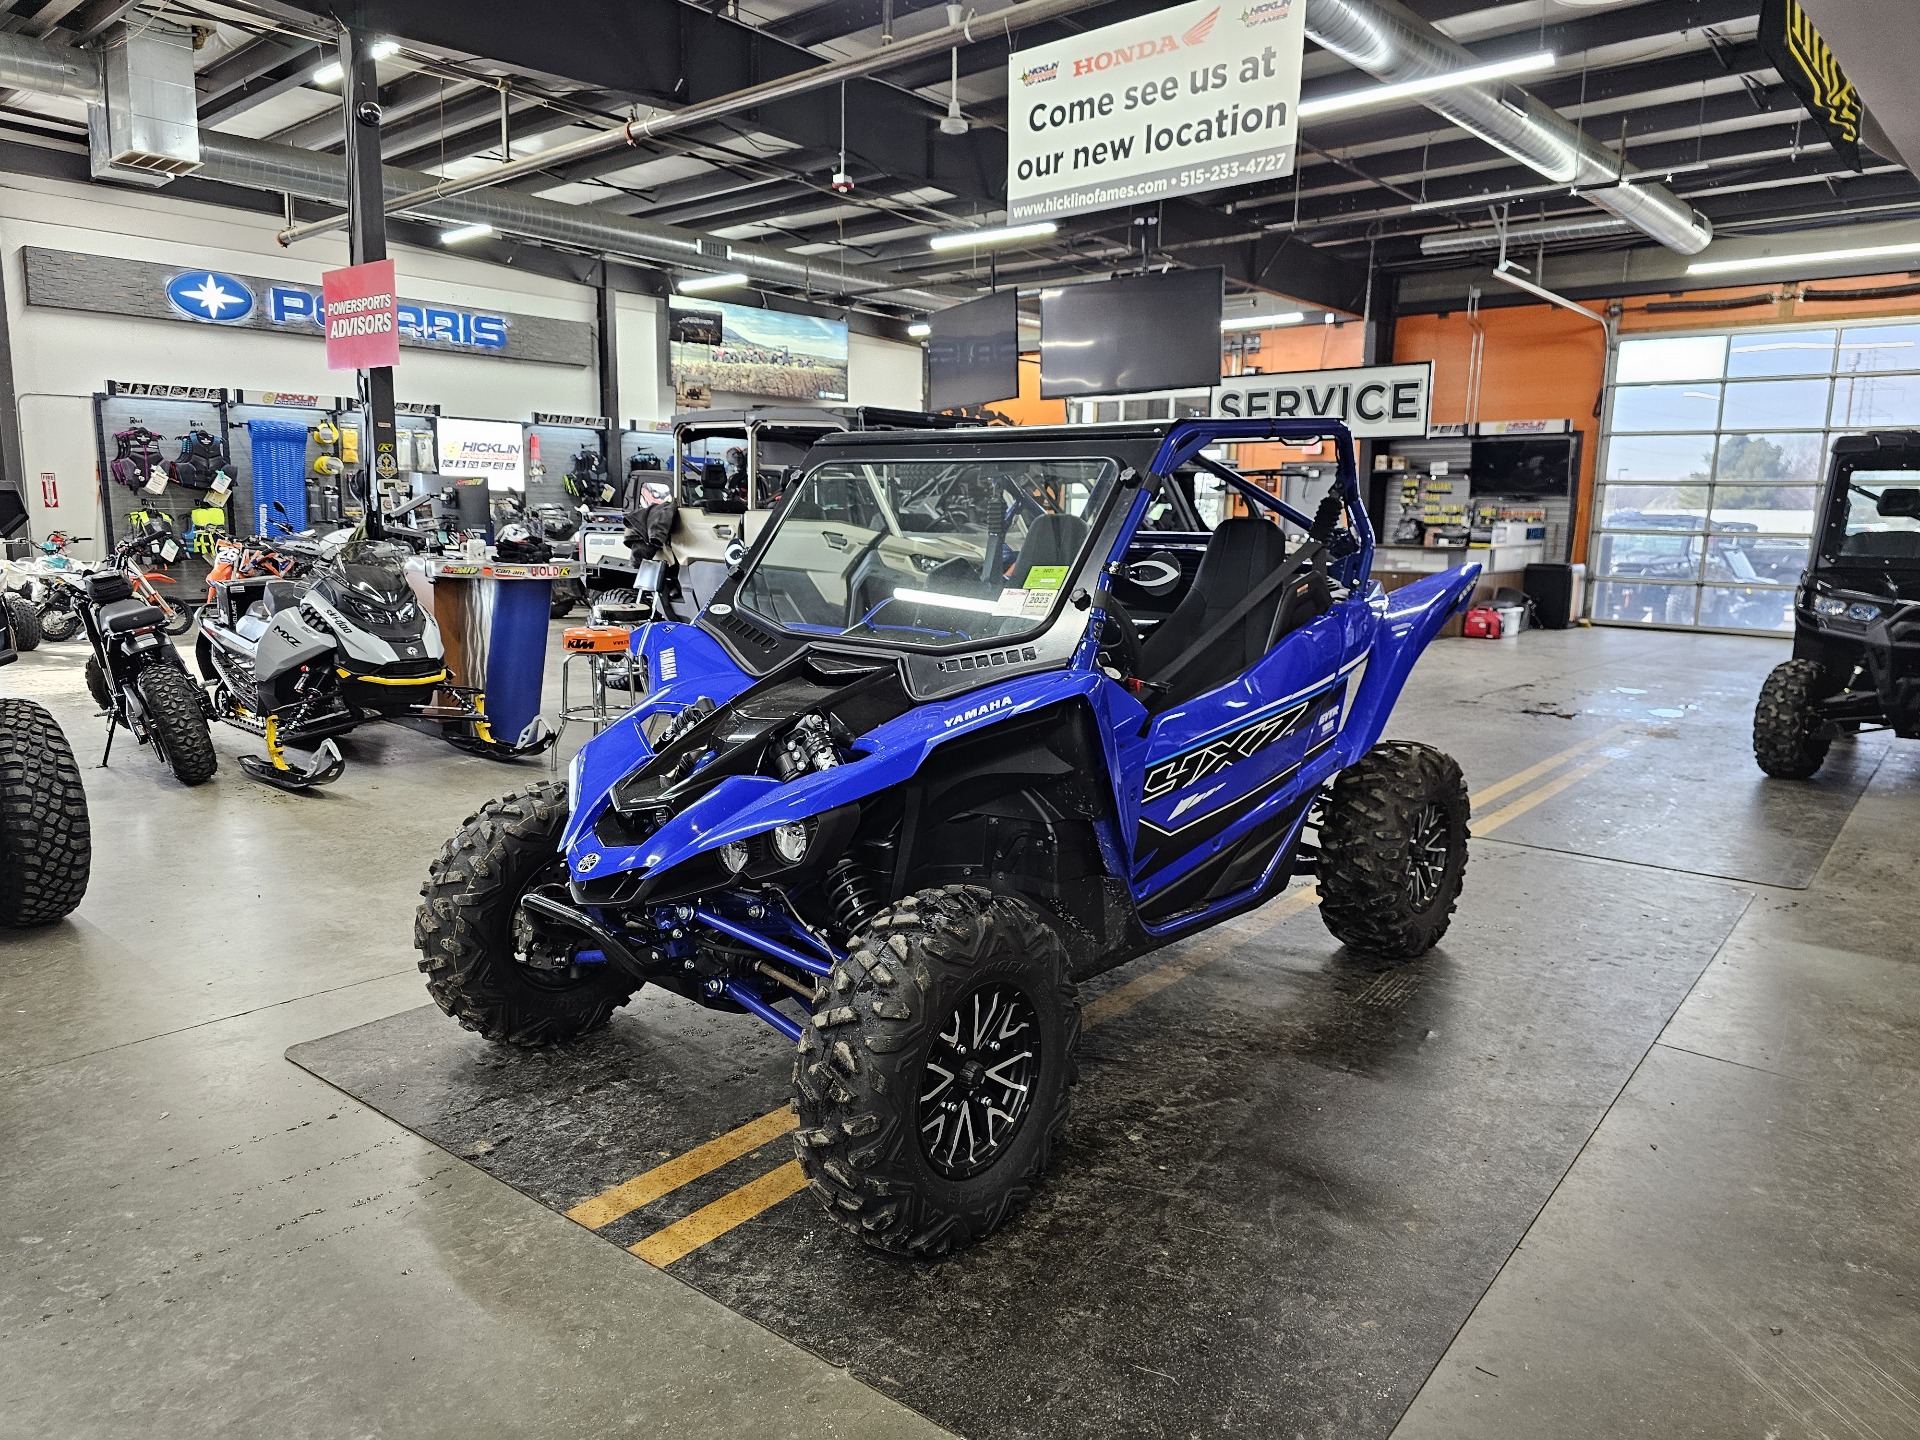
(785, 87)
(284, 170)
(1553, 232)
(1391, 43)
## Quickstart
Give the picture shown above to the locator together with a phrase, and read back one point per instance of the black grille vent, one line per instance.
(745, 631)
(989, 660)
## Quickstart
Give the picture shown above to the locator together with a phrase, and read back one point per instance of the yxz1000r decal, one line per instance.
(1196, 795)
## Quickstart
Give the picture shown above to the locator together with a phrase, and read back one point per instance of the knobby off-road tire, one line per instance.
(179, 722)
(471, 933)
(26, 623)
(1788, 742)
(874, 1127)
(46, 846)
(623, 596)
(1393, 850)
(97, 684)
(560, 603)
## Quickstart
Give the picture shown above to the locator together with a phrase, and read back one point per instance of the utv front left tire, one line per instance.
(1393, 850)
(46, 846)
(480, 959)
(1789, 742)
(931, 1081)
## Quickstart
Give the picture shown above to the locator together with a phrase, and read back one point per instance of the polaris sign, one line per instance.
(107, 285)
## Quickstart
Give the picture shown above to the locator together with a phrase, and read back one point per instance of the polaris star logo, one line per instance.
(992, 707)
(205, 295)
(587, 862)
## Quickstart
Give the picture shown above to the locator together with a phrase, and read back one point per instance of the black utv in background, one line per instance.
(1856, 631)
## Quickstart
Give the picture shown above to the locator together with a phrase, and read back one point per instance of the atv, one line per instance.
(1856, 625)
(978, 716)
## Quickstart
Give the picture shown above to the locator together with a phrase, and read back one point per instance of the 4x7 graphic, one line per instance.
(818, 818)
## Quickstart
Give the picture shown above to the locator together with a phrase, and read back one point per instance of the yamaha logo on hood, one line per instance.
(209, 295)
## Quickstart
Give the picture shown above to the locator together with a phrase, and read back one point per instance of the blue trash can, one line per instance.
(279, 454)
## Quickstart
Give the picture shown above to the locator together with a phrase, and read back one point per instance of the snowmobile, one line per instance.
(299, 662)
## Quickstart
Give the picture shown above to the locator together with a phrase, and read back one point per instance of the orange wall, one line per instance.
(1542, 363)
(1029, 408)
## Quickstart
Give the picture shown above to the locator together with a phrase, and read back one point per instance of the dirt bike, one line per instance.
(136, 677)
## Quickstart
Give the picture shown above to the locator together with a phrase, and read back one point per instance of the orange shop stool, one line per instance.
(610, 671)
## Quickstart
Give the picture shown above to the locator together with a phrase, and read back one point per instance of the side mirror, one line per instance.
(1902, 503)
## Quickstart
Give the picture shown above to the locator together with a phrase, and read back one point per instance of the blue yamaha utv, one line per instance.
(980, 714)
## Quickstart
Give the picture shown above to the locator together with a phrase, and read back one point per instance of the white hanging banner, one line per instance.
(1375, 402)
(1180, 101)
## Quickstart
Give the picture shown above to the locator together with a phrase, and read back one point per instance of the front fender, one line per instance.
(1409, 619)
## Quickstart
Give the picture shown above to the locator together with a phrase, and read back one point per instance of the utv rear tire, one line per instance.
(179, 722)
(26, 623)
(97, 684)
(1788, 742)
(1393, 850)
(867, 1069)
(46, 846)
(465, 929)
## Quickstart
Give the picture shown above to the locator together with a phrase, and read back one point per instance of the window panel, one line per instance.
(1655, 458)
(1652, 556)
(1863, 402)
(1765, 509)
(1879, 347)
(1653, 507)
(1742, 608)
(1666, 407)
(1633, 602)
(1793, 352)
(1787, 404)
(1679, 357)
(1746, 459)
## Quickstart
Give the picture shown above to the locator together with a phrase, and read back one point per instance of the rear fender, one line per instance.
(1409, 619)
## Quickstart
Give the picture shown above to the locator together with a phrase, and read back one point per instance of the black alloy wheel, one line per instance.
(978, 1080)
(1432, 849)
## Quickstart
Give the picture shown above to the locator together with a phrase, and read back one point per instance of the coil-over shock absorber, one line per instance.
(853, 894)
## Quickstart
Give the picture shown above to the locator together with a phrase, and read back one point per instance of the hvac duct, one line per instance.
(1391, 43)
(281, 169)
(1520, 237)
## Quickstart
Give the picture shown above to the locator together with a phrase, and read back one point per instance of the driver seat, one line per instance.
(1240, 553)
(1051, 540)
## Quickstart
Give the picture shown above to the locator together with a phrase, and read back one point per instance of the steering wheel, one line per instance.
(1119, 641)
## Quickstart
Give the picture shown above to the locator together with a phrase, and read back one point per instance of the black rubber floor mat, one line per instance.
(1288, 1179)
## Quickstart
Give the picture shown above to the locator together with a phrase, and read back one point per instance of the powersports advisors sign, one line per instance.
(362, 323)
(1174, 103)
(1376, 402)
(71, 280)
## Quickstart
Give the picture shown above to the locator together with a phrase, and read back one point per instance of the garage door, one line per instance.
(1713, 453)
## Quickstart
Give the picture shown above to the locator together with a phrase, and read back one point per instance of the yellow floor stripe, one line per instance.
(623, 1199)
(1526, 802)
(1552, 762)
(683, 1237)
(710, 1222)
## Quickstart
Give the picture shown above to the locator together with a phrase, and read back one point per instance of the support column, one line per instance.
(609, 357)
(367, 242)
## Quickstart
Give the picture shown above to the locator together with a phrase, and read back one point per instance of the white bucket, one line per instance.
(1513, 619)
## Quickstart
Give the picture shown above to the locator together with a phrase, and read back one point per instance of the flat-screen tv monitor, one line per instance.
(1529, 467)
(973, 352)
(749, 351)
(1146, 332)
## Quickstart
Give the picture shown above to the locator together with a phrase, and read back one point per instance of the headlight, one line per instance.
(1828, 606)
(790, 842)
(1863, 613)
(734, 855)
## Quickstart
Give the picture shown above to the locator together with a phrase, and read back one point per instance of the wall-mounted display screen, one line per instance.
(495, 449)
(749, 351)
(1538, 467)
(973, 353)
(1146, 332)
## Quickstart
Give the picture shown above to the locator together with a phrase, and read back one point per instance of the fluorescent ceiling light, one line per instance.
(919, 330)
(465, 232)
(1385, 94)
(331, 72)
(695, 284)
(1263, 322)
(1004, 235)
(946, 602)
(1810, 257)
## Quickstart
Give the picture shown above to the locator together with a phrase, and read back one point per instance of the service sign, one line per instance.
(1375, 402)
(1174, 103)
(362, 318)
(491, 448)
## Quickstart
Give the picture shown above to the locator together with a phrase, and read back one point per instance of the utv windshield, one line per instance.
(927, 553)
(1878, 518)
